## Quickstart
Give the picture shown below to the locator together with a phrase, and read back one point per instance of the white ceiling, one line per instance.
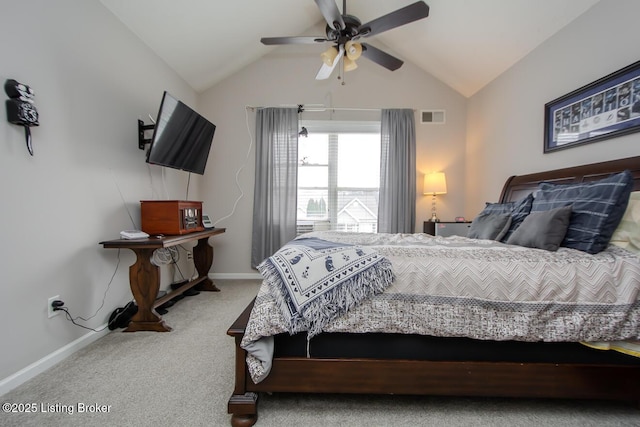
(463, 43)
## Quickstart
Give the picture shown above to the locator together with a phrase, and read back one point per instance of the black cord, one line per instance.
(174, 261)
(72, 320)
(188, 182)
(104, 296)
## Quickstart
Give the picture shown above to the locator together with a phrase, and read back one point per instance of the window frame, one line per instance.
(334, 128)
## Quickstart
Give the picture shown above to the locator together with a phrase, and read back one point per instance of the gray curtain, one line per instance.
(397, 206)
(276, 181)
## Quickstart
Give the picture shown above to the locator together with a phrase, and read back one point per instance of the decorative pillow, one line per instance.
(543, 229)
(597, 208)
(627, 235)
(518, 210)
(489, 226)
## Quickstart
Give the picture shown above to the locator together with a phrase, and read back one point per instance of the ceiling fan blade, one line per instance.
(381, 58)
(413, 12)
(331, 14)
(326, 70)
(291, 40)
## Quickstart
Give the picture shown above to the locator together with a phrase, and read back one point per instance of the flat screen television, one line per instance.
(181, 138)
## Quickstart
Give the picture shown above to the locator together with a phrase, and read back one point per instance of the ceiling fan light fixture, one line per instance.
(344, 31)
(329, 55)
(349, 64)
(353, 50)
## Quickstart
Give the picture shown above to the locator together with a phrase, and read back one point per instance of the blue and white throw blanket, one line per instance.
(315, 280)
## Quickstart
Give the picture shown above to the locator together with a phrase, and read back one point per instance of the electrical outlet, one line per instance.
(189, 255)
(50, 311)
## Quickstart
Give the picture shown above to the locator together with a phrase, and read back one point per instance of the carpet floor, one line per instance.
(185, 377)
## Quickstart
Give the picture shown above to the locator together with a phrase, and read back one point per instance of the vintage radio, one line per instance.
(171, 217)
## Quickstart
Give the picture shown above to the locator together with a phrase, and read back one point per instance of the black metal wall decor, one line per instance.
(20, 108)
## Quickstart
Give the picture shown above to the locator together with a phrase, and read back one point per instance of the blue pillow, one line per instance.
(597, 208)
(518, 210)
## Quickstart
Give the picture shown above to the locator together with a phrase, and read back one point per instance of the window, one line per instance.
(338, 177)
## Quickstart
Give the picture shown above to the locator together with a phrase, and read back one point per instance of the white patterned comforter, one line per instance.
(460, 287)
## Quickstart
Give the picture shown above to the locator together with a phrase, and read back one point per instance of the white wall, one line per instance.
(93, 79)
(506, 118)
(287, 77)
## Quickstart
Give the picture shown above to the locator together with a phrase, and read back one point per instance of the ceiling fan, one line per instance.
(344, 32)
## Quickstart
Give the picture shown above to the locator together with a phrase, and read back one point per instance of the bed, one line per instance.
(379, 362)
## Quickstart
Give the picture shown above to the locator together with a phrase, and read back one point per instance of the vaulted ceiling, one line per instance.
(464, 43)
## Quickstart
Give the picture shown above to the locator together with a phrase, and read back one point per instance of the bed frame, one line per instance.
(453, 378)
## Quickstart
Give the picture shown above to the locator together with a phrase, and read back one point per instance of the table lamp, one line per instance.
(434, 183)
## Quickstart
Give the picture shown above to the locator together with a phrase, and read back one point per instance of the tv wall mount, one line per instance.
(142, 141)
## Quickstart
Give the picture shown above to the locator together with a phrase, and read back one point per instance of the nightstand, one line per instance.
(445, 229)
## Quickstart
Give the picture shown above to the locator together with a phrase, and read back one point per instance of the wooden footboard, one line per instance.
(415, 377)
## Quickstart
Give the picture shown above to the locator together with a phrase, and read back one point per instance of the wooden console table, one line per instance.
(144, 277)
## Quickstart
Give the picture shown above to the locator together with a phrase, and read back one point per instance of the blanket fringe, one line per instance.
(370, 282)
(315, 315)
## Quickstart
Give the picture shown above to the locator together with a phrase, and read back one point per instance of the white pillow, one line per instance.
(627, 235)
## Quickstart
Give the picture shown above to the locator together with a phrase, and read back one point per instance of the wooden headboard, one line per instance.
(518, 186)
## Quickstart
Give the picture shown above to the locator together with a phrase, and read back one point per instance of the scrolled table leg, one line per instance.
(203, 260)
(144, 279)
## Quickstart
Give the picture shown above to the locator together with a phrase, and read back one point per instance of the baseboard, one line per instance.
(50, 360)
(236, 276)
(59, 355)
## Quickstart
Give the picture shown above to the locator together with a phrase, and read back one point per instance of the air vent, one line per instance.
(432, 116)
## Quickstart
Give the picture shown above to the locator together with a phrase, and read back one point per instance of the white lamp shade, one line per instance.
(349, 64)
(435, 183)
(353, 50)
(329, 55)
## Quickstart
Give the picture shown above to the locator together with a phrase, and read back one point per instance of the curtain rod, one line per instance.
(315, 108)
